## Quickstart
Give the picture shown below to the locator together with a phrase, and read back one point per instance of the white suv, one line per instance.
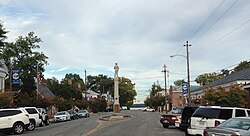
(13, 120)
(34, 117)
(212, 116)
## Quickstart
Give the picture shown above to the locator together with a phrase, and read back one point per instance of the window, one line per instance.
(248, 112)
(225, 114)
(6, 113)
(240, 113)
(207, 113)
(31, 110)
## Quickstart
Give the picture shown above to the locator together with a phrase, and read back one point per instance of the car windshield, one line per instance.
(177, 111)
(238, 123)
(60, 113)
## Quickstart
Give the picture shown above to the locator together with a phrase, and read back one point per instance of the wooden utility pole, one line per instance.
(188, 74)
(165, 82)
(85, 84)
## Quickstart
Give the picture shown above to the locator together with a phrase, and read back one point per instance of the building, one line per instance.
(3, 74)
(241, 78)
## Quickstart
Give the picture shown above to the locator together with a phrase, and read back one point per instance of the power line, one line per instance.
(216, 21)
(206, 20)
(241, 25)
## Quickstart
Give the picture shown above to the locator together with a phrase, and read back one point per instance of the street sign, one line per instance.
(184, 87)
(15, 76)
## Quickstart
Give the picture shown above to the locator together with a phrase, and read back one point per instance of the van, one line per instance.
(212, 116)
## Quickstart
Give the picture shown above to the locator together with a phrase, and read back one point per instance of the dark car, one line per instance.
(73, 114)
(185, 117)
(173, 118)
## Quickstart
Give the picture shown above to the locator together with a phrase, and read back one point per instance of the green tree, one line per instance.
(154, 89)
(179, 82)
(207, 78)
(126, 91)
(75, 79)
(2, 35)
(100, 84)
(21, 54)
(243, 65)
(155, 101)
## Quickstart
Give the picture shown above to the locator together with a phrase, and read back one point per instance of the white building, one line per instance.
(3, 73)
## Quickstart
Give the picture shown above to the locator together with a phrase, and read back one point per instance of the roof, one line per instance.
(241, 75)
(45, 91)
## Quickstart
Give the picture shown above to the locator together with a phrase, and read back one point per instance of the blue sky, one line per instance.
(140, 35)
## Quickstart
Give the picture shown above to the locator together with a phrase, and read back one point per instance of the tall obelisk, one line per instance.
(116, 106)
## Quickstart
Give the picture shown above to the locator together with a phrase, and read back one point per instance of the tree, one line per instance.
(207, 78)
(100, 84)
(179, 82)
(155, 101)
(126, 91)
(21, 54)
(5, 99)
(2, 35)
(234, 96)
(75, 79)
(154, 89)
(243, 65)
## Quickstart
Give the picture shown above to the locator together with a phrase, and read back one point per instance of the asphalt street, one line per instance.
(142, 124)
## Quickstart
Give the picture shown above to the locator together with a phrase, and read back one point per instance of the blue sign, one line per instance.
(184, 87)
(15, 76)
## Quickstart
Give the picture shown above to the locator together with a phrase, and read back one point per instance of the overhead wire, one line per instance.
(208, 17)
(216, 21)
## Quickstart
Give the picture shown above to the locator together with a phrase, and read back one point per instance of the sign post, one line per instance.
(15, 76)
(184, 87)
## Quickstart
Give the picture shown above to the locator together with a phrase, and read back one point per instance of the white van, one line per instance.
(211, 116)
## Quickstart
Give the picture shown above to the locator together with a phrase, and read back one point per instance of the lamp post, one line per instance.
(188, 73)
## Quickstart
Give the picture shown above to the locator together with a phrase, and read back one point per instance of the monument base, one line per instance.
(116, 108)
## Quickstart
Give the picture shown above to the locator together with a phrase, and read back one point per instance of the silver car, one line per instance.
(238, 126)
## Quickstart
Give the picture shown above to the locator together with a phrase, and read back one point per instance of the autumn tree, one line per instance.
(5, 99)
(234, 96)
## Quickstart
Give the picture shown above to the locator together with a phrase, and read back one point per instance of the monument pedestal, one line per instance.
(116, 108)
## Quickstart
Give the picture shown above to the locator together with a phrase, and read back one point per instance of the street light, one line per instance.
(188, 74)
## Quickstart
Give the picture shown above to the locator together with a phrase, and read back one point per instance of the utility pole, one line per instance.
(188, 74)
(85, 83)
(165, 82)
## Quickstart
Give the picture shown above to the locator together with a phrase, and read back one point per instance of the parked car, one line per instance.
(148, 109)
(73, 114)
(212, 116)
(185, 117)
(13, 120)
(173, 118)
(83, 113)
(62, 116)
(238, 126)
(34, 117)
(44, 117)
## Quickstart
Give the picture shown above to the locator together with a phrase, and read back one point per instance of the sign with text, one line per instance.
(184, 87)
(15, 76)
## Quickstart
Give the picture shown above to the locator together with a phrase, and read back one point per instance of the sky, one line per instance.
(139, 35)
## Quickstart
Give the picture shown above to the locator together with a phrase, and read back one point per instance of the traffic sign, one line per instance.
(184, 87)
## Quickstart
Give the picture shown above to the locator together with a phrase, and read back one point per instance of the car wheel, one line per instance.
(165, 126)
(32, 125)
(18, 128)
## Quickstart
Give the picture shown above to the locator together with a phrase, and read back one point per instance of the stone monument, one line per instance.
(116, 106)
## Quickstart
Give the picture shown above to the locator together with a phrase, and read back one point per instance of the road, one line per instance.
(143, 124)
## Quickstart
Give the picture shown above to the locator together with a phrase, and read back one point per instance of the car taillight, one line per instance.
(174, 118)
(205, 133)
(217, 123)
